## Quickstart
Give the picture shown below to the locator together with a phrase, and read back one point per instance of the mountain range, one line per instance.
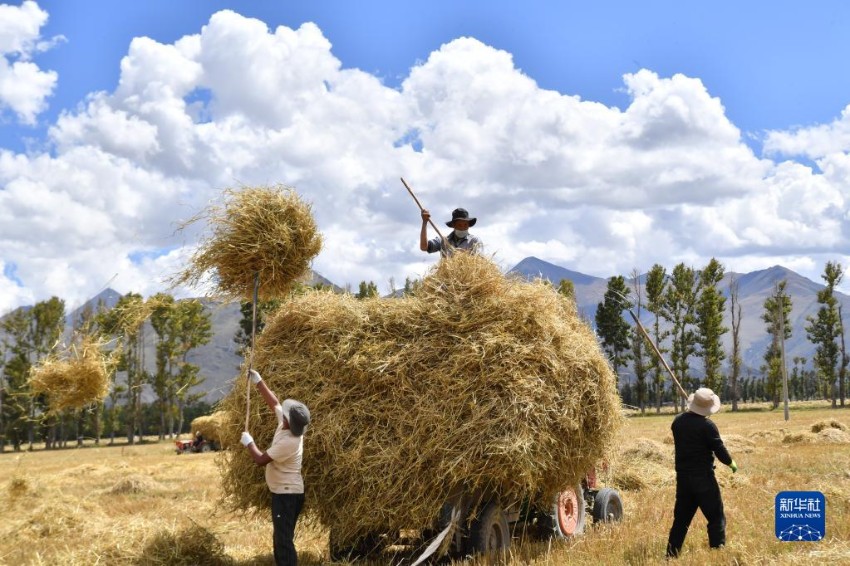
(219, 361)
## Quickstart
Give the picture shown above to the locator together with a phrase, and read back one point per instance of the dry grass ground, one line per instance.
(147, 505)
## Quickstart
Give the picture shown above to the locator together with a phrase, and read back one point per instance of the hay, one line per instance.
(190, 547)
(799, 438)
(737, 444)
(827, 424)
(769, 435)
(641, 463)
(833, 436)
(78, 380)
(210, 427)
(645, 449)
(134, 484)
(478, 384)
(17, 487)
(265, 230)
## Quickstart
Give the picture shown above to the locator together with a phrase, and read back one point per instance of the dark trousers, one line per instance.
(697, 490)
(285, 510)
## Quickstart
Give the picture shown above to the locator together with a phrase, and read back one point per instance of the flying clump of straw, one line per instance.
(479, 383)
(265, 230)
(78, 380)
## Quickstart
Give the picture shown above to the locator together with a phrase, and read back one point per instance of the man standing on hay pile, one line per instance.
(697, 441)
(283, 468)
(460, 238)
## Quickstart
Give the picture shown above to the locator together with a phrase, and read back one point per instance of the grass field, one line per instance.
(146, 505)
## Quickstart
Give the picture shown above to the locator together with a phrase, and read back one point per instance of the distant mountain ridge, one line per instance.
(220, 363)
(753, 289)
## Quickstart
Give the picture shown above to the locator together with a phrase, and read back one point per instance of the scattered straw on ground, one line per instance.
(134, 484)
(737, 444)
(641, 463)
(265, 230)
(77, 380)
(478, 383)
(829, 423)
(769, 435)
(833, 436)
(17, 487)
(189, 547)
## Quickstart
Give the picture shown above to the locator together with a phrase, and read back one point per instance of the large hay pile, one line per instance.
(210, 426)
(76, 381)
(478, 382)
(265, 230)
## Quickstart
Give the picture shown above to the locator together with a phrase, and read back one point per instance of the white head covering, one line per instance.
(704, 402)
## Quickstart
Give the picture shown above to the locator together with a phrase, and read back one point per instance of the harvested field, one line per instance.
(188, 503)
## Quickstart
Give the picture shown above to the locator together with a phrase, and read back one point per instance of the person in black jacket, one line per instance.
(697, 441)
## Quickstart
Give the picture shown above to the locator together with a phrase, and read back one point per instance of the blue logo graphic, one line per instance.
(800, 516)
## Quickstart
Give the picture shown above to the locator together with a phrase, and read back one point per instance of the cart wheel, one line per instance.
(607, 506)
(566, 517)
(205, 447)
(490, 532)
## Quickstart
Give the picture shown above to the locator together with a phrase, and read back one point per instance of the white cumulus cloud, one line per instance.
(595, 188)
(24, 87)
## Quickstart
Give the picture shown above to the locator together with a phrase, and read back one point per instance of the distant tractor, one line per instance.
(199, 444)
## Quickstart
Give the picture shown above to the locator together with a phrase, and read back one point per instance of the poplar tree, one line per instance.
(46, 324)
(16, 376)
(656, 280)
(679, 309)
(824, 328)
(121, 323)
(567, 288)
(709, 322)
(612, 329)
(639, 346)
(243, 333)
(194, 329)
(735, 362)
(367, 290)
(777, 305)
(162, 321)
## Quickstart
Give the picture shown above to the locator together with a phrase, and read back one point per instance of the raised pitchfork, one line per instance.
(251, 354)
(431, 222)
(627, 305)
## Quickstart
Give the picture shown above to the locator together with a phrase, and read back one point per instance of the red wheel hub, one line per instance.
(568, 511)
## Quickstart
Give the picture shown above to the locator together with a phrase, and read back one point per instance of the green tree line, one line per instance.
(686, 322)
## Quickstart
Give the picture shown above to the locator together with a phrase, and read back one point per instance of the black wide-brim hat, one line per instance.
(461, 214)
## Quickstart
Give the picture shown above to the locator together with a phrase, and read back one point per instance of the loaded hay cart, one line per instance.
(458, 416)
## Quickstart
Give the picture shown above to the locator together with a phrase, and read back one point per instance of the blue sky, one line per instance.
(760, 87)
(774, 66)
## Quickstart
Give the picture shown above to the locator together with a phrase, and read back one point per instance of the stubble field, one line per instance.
(146, 505)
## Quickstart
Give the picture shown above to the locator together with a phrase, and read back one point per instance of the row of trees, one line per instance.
(686, 310)
(31, 334)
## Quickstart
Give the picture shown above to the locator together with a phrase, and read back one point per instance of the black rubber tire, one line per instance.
(607, 506)
(489, 531)
(549, 523)
(205, 447)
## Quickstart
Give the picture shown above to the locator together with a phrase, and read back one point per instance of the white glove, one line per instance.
(246, 439)
(254, 377)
